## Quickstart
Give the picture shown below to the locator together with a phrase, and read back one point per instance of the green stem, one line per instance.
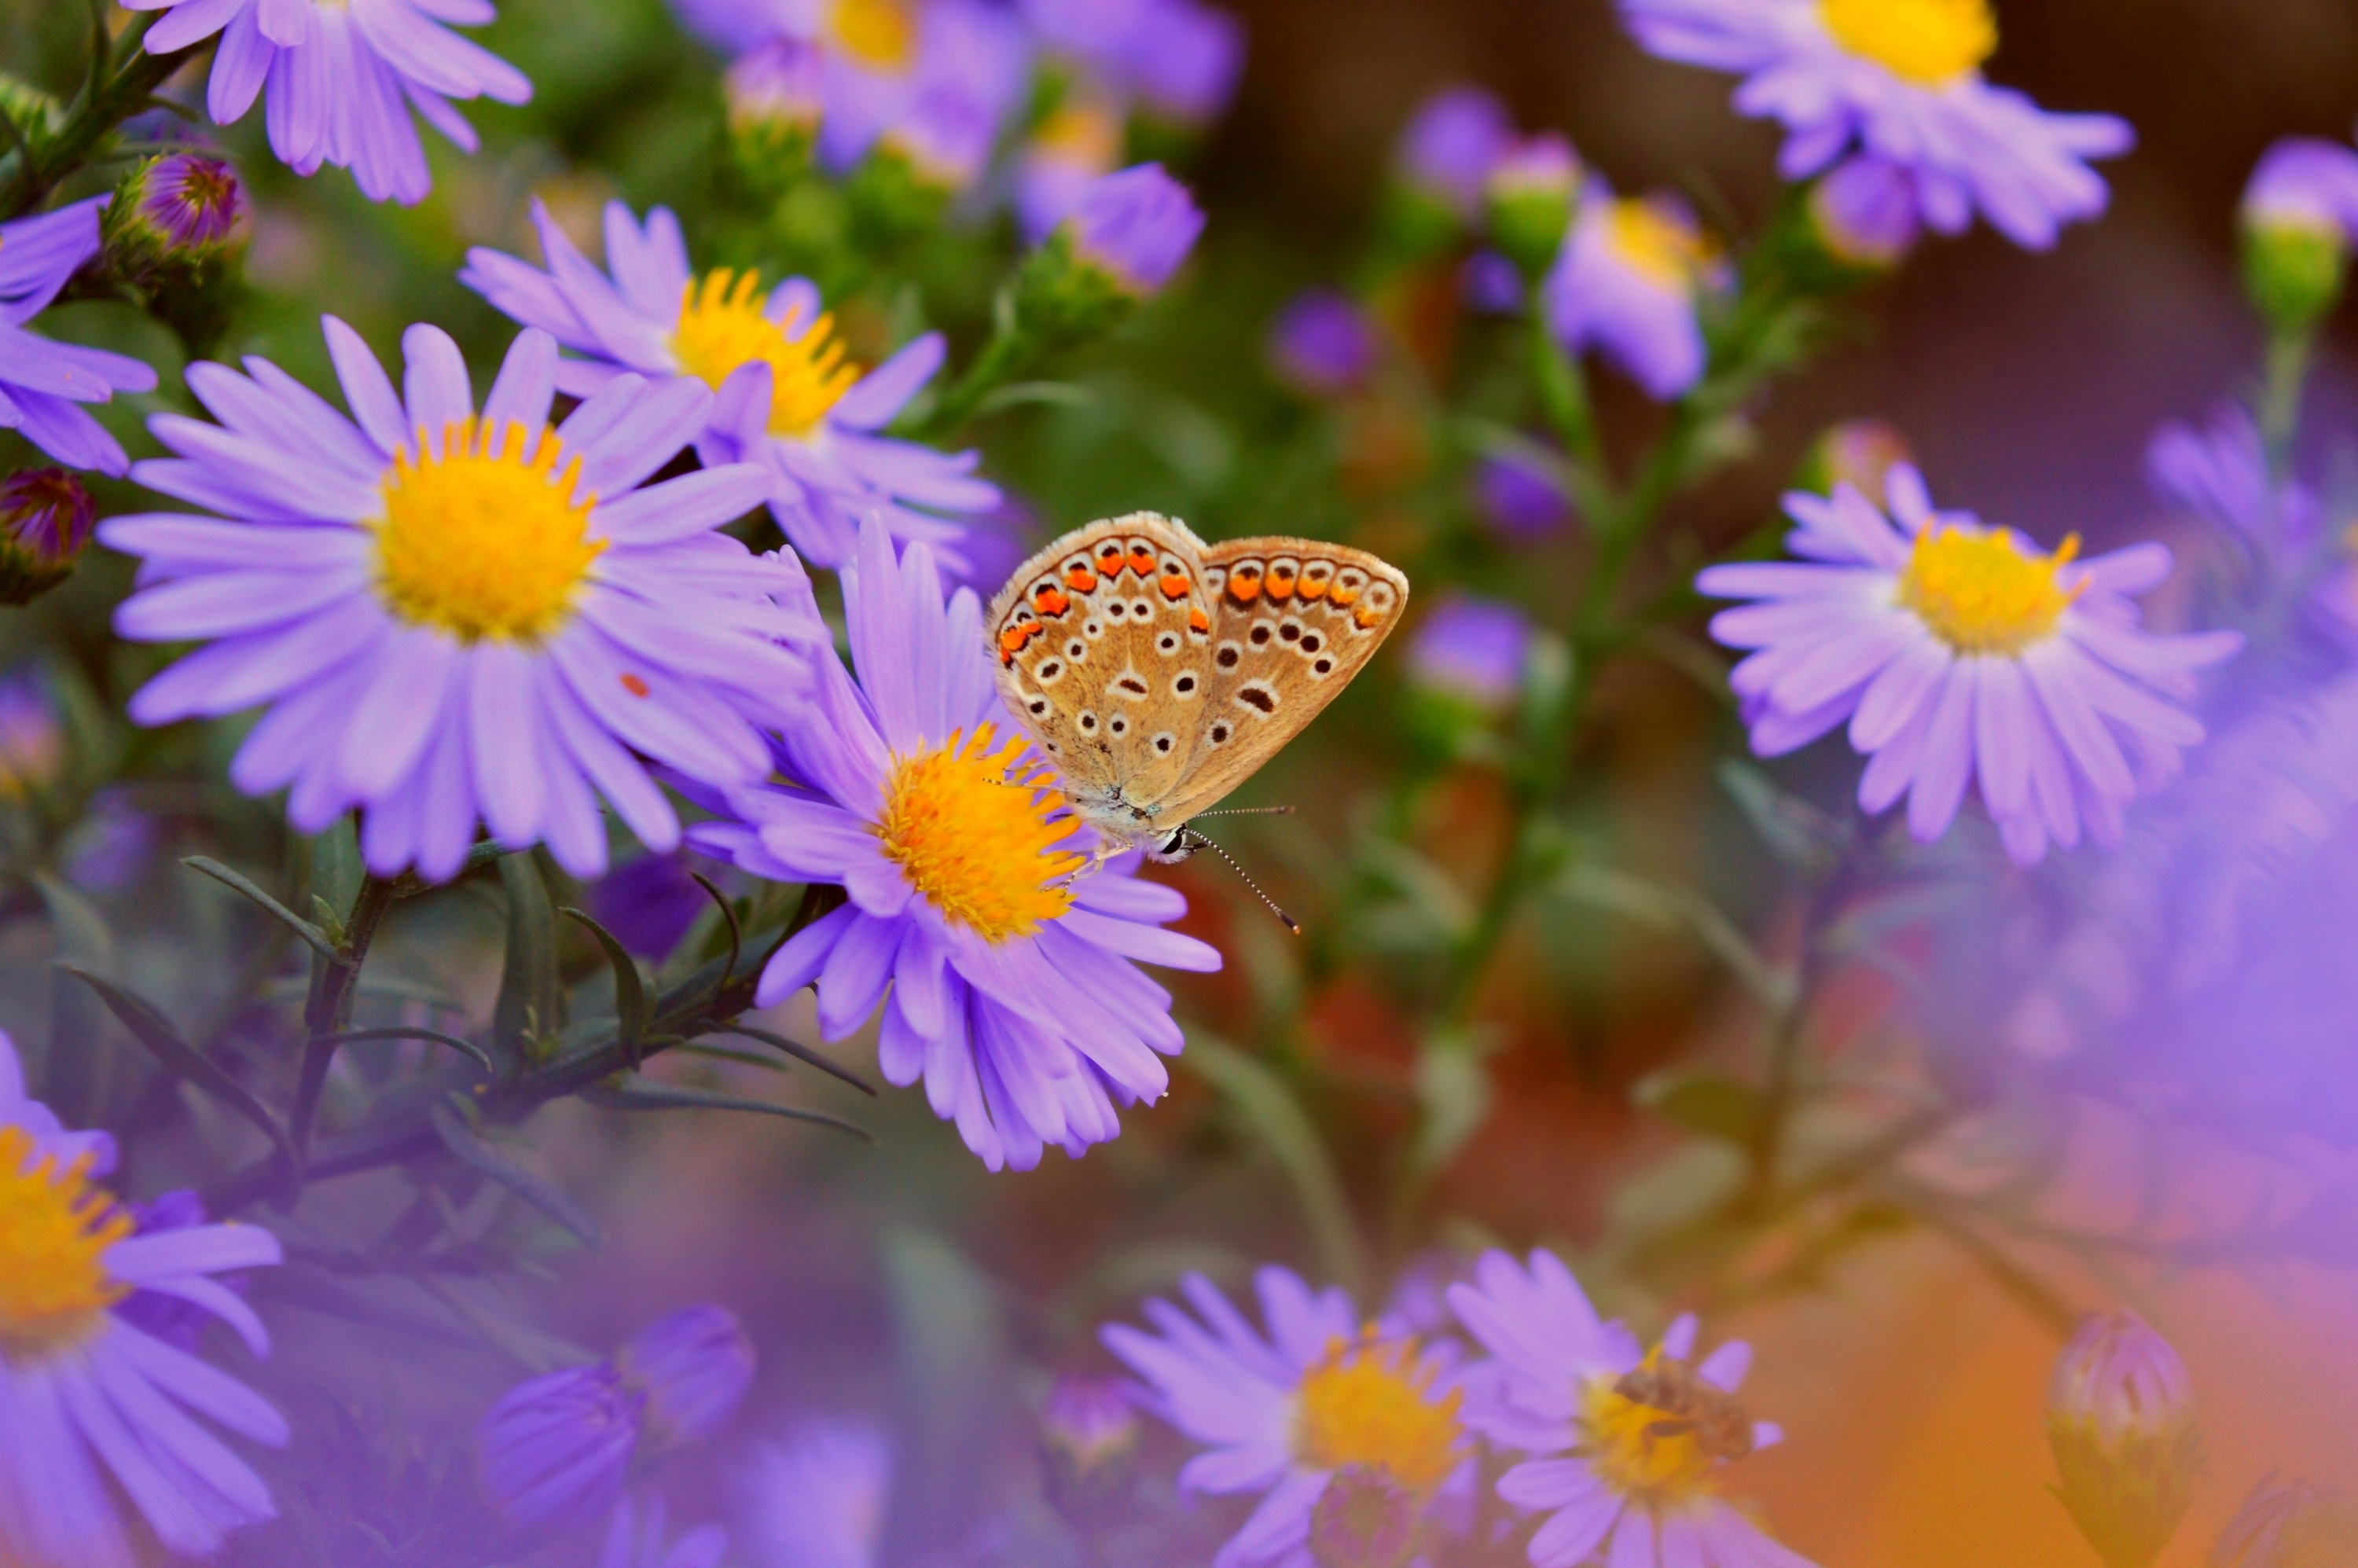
(2284, 379)
(327, 1012)
(1564, 396)
(123, 92)
(1009, 350)
(1781, 1086)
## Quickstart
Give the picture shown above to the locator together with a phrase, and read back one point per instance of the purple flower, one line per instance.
(1523, 498)
(1011, 987)
(85, 1393)
(1088, 1434)
(693, 1367)
(1867, 212)
(1179, 57)
(778, 86)
(46, 517)
(1076, 144)
(1958, 653)
(458, 618)
(1901, 81)
(886, 60)
(40, 381)
(789, 401)
(1322, 345)
(1322, 1398)
(2305, 183)
(816, 1497)
(637, 1537)
(1627, 283)
(2122, 1378)
(1136, 226)
(343, 78)
(1472, 648)
(649, 902)
(2221, 474)
(1589, 1405)
(1450, 148)
(32, 740)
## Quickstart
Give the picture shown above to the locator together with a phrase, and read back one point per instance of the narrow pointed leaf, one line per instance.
(311, 934)
(410, 1031)
(802, 1054)
(467, 1146)
(527, 1004)
(629, 991)
(639, 1094)
(729, 913)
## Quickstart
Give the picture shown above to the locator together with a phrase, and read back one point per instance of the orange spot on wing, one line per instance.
(1175, 586)
(1316, 587)
(1366, 616)
(634, 686)
(1011, 641)
(1281, 583)
(1050, 601)
(1080, 580)
(1198, 621)
(1342, 596)
(1244, 590)
(1142, 561)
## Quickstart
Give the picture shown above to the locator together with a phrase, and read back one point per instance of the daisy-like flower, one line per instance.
(1342, 1427)
(83, 1393)
(1900, 80)
(342, 77)
(1013, 992)
(1628, 1444)
(1629, 282)
(41, 381)
(459, 617)
(1959, 654)
(790, 400)
(816, 1497)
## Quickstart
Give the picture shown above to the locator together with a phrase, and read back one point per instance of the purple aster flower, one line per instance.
(1867, 212)
(778, 87)
(46, 517)
(1523, 498)
(2220, 473)
(789, 400)
(1960, 654)
(887, 59)
(456, 617)
(1450, 148)
(1011, 987)
(1322, 1399)
(32, 739)
(1472, 648)
(85, 1393)
(343, 78)
(1900, 80)
(1590, 1406)
(192, 202)
(1627, 283)
(637, 1537)
(1322, 345)
(649, 902)
(2305, 183)
(816, 1497)
(40, 381)
(1077, 144)
(1136, 226)
(175, 1320)
(1184, 60)
(693, 1367)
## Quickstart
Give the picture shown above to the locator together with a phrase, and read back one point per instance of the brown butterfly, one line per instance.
(1158, 672)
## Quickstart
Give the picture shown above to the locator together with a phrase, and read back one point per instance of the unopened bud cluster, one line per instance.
(2121, 1417)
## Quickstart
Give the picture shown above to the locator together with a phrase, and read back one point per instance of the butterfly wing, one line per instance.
(1292, 621)
(1104, 651)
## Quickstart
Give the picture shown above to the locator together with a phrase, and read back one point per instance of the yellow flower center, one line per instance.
(978, 838)
(1987, 593)
(1084, 132)
(721, 326)
(55, 1228)
(1369, 1403)
(1639, 1449)
(1929, 42)
(481, 541)
(1657, 243)
(879, 34)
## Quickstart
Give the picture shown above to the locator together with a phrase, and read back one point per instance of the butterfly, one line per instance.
(1158, 672)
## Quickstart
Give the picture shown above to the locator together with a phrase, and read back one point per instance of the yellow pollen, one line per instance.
(1929, 42)
(55, 1228)
(1658, 242)
(1369, 1403)
(876, 33)
(1987, 593)
(481, 541)
(721, 326)
(1629, 1449)
(974, 836)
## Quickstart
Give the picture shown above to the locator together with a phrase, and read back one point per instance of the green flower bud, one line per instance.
(1530, 195)
(46, 517)
(2120, 1418)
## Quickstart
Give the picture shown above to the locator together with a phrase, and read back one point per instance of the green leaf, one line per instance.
(410, 1031)
(1454, 1091)
(75, 1073)
(467, 1146)
(318, 940)
(1266, 1105)
(729, 916)
(1796, 832)
(1670, 908)
(336, 870)
(1708, 1103)
(629, 991)
(801, 1053)
(642, 1094)
(527, 1011)
(154, 1031)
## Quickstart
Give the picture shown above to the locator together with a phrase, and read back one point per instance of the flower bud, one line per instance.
(2298, 215)
(1439, 169)
(1531, 192)
(2121, 1419)
(777, 92)
(1126, 237)
(1521, 496)
(173, 214)
(46, 517)
(1858, 452)
(1473, 648)
(1865, 214)
(1363, 1519)
(1088, 1439)
(692, 1368)
(1323, 345)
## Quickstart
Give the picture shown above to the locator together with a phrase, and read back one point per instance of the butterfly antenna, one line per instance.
(1248, 811)
(1201, 842)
